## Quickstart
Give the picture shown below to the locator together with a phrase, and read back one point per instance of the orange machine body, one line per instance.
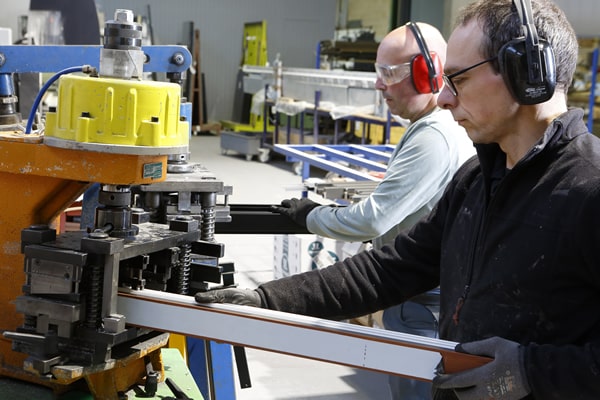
(38, 183)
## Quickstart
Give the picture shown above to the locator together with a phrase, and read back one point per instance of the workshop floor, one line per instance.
(275, 376)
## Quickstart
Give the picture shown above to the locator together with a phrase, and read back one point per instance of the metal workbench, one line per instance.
(339, 95)
(320, 110)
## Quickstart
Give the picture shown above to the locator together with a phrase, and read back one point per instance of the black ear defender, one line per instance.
(425, 68)
(527, 63)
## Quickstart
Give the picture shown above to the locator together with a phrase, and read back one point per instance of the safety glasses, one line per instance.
(392, 74)
(448, 79)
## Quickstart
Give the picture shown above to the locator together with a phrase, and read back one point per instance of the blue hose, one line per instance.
(43, 90)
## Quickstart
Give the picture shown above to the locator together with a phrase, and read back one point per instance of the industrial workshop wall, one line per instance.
(294, 28)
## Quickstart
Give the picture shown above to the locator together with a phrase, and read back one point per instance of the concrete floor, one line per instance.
(275, 376)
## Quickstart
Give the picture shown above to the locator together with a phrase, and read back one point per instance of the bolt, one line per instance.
(98, 234)
(2, 59)
(178, 59)
(38, 227)
(123, 15)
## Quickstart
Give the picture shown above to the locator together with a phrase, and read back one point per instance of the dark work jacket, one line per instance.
(519, 248)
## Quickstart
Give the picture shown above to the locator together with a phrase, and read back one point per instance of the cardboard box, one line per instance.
(293, 254)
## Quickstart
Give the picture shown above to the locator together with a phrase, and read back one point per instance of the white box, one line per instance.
(293, 254)
(5, 36)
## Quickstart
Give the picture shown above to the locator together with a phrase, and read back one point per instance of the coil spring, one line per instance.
(207, 228)
(183, 276)
(94, 298)
(30, 322)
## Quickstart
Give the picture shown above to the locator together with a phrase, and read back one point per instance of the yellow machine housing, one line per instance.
(117, 111)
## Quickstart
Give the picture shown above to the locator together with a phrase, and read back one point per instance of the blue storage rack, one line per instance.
(339, 158)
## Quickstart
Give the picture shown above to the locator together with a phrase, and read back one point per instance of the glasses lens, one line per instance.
(448, 82)
(392, 74)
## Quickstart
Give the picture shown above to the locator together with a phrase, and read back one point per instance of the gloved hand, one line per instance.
(244, 297)
(503, 378)
(296, 209)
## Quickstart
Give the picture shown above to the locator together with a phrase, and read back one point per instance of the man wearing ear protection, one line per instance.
(409, 77)
(513, 241)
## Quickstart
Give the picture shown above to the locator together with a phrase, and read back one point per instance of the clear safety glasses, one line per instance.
(392, 74)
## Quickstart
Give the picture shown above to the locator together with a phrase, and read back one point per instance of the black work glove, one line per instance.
(243, 297)
(503, 378)
(296, 209)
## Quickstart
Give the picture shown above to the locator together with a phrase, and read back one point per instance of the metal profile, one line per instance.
(342, 88)
(336, 342)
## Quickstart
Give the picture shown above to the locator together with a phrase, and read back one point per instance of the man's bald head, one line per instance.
(405, 44)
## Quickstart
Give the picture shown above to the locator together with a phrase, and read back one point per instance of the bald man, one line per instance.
(424, 160)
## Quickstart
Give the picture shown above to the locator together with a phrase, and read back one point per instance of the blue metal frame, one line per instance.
(25, 58)
(215, 381)
(329, 158)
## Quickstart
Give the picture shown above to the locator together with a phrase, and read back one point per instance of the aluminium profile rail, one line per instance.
(346, 191)
(336, 342)
(342, 88)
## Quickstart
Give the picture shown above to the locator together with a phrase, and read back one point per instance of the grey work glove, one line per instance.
(243, 297)
(296, 209)
(502, 379)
